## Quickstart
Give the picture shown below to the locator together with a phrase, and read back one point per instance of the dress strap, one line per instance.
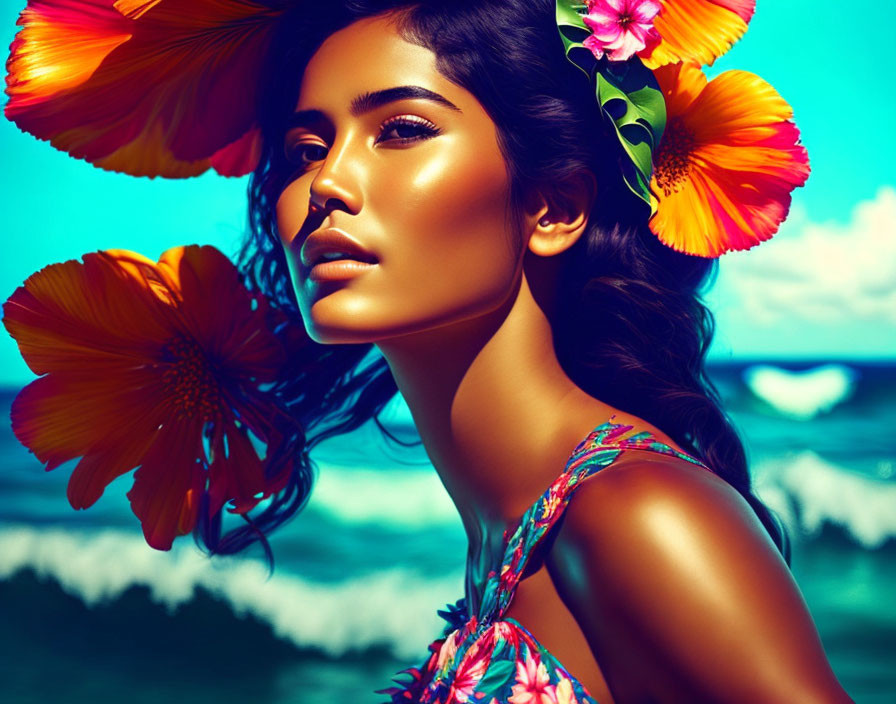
(598, 450)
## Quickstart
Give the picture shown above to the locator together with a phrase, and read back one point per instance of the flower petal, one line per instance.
(180, 90)
(97, 470)
(681, 85)
(727, 164)
(73, 316)
(167, 486)
(59, 418)
(608, 32)
(236, 475)
(60, 45)
(629, 46)
(644, 12)
(240, 157)
(733, 101)
(697, 31)
(220, 313)
(134, 8)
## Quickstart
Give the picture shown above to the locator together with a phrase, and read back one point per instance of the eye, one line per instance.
(403, 130)
(407, 129)
(304, 153)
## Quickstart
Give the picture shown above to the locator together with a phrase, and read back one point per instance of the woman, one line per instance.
(500, 260)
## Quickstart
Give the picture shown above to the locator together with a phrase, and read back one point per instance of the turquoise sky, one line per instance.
(824, 286)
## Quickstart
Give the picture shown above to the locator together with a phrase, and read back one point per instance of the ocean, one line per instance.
(90, 613)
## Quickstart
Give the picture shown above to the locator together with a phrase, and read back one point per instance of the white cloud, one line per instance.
(826, 272)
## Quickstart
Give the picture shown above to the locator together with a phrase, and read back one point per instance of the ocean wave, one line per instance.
(807, 492)
(801, 395)
(393, 608)
(399, 498)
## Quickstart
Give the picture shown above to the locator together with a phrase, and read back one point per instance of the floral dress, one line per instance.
(491, 659)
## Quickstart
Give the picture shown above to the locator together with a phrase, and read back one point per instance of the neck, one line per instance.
(496, 413)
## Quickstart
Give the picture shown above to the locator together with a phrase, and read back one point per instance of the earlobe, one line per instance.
(561, 217)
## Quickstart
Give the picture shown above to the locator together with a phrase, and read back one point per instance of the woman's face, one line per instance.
(418, 181)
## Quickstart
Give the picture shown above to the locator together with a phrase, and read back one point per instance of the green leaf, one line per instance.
(573, 32)
(628, 94)
(568, 14)
(497, 675)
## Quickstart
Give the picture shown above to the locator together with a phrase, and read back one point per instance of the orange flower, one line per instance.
(727, 163)
(141, 364)
(697, 31)
(147, 87)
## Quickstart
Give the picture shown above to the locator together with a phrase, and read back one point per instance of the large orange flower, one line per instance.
(727, 164)
(156, 365)
(697, 31)
(147, 87)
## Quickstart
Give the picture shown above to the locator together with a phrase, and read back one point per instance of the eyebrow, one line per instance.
(366, 102)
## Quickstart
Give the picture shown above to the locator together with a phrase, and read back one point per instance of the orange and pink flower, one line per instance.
(697, 31)
(151, 365)
(664, 32)
(727, 164)
(176, 81)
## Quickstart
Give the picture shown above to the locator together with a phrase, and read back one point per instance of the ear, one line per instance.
(556, 217)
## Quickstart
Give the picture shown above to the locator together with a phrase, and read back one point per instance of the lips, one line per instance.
(332, 241)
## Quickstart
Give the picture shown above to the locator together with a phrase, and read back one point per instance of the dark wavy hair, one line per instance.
(630, 327)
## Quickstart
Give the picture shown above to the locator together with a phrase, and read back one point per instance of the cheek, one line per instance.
(448, 222)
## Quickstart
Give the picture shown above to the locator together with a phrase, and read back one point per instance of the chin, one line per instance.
(331, 323)
(355, 330)
(344, 317)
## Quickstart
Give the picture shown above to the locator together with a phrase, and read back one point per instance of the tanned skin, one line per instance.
(661, 585)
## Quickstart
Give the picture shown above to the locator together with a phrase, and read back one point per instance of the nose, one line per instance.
(337, 184)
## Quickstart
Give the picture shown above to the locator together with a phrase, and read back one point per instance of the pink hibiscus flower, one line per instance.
(563, 691)
(447, 652)
(533, 682)
(621, 28)
(472, 668)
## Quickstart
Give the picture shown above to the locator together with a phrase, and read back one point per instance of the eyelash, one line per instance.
(428, 130)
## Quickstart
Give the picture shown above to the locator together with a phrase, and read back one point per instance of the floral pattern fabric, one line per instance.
(490, 659)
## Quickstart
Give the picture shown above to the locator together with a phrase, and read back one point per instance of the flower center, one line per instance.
(625, 20)
(673, 160)
(190, 381)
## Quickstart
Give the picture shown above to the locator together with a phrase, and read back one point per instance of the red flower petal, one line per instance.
(97, 469)
(176, 93)
(236, 475)
(60, 45)
(60, 417)
(209, 283)
(239, 158)
(71, 317)
(168, 484)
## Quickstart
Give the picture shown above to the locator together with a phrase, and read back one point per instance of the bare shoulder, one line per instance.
(676, 558)
(646, 497)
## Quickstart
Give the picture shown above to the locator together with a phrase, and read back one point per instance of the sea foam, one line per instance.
(801, 395)
(394, 608)
(807, 491)
(399, 498)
